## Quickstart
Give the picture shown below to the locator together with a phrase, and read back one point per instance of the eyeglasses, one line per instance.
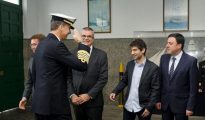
(89, 36)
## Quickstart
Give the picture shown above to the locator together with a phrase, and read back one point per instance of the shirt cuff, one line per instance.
(72, 95)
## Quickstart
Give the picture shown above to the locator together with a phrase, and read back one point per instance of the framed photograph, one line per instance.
(176, 15)
(99, 15)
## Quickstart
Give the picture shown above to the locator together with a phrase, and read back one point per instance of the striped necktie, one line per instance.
(171, 71)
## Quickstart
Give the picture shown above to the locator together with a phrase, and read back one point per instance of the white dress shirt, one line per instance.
(132, 103)
(91, 49)
(178, 57)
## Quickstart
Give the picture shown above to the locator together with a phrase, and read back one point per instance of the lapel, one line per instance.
(30, 63)
(145, 71)
(92, 56)
(181, 61)
(131, 69)
(166, 64)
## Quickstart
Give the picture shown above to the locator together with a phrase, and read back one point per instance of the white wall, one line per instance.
(30, 15)
(197, 15)
(127, 16)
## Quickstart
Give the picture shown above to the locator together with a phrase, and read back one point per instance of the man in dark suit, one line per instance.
(86, 94)
(52, 66)
(179, 76)
(35, 39)
(141, 78)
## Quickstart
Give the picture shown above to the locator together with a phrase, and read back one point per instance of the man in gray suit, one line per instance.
(35, 39)
(142, 79)
(86, 95)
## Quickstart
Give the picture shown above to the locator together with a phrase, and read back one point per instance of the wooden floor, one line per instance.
(111, 112)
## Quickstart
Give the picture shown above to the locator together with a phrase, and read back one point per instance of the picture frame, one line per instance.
(99, 15)
(175, 15)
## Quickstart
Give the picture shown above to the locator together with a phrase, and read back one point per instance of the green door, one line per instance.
(11, 55)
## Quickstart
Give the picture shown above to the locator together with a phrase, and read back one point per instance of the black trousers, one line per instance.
(169, 115)
(88, 113)
(53, 117)
(132, 115)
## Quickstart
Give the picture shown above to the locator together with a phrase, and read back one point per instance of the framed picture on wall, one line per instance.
(176, 15)
(99, 15)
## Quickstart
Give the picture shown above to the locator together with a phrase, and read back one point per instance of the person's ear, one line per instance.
(143, 50)
(179, 46)
(61, 26)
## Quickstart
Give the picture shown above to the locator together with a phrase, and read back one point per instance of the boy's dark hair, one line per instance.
(139, 43)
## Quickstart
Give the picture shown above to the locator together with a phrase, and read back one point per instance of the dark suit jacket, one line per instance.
(93, 80)
(51, 66)
(149, 84)
(202, 71)
(28, 85)
(179, 92)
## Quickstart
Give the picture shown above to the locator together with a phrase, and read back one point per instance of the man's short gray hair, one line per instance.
(55, 24)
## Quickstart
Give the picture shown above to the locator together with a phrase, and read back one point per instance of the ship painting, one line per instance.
(176, 15)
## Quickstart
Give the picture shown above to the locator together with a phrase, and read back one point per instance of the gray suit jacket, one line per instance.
(28, 85)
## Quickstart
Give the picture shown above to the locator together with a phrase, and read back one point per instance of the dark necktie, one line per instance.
(171, 72)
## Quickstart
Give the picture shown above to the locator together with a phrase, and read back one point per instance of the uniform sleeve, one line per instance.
(67, 58)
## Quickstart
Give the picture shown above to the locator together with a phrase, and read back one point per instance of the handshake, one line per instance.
(80, 99)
